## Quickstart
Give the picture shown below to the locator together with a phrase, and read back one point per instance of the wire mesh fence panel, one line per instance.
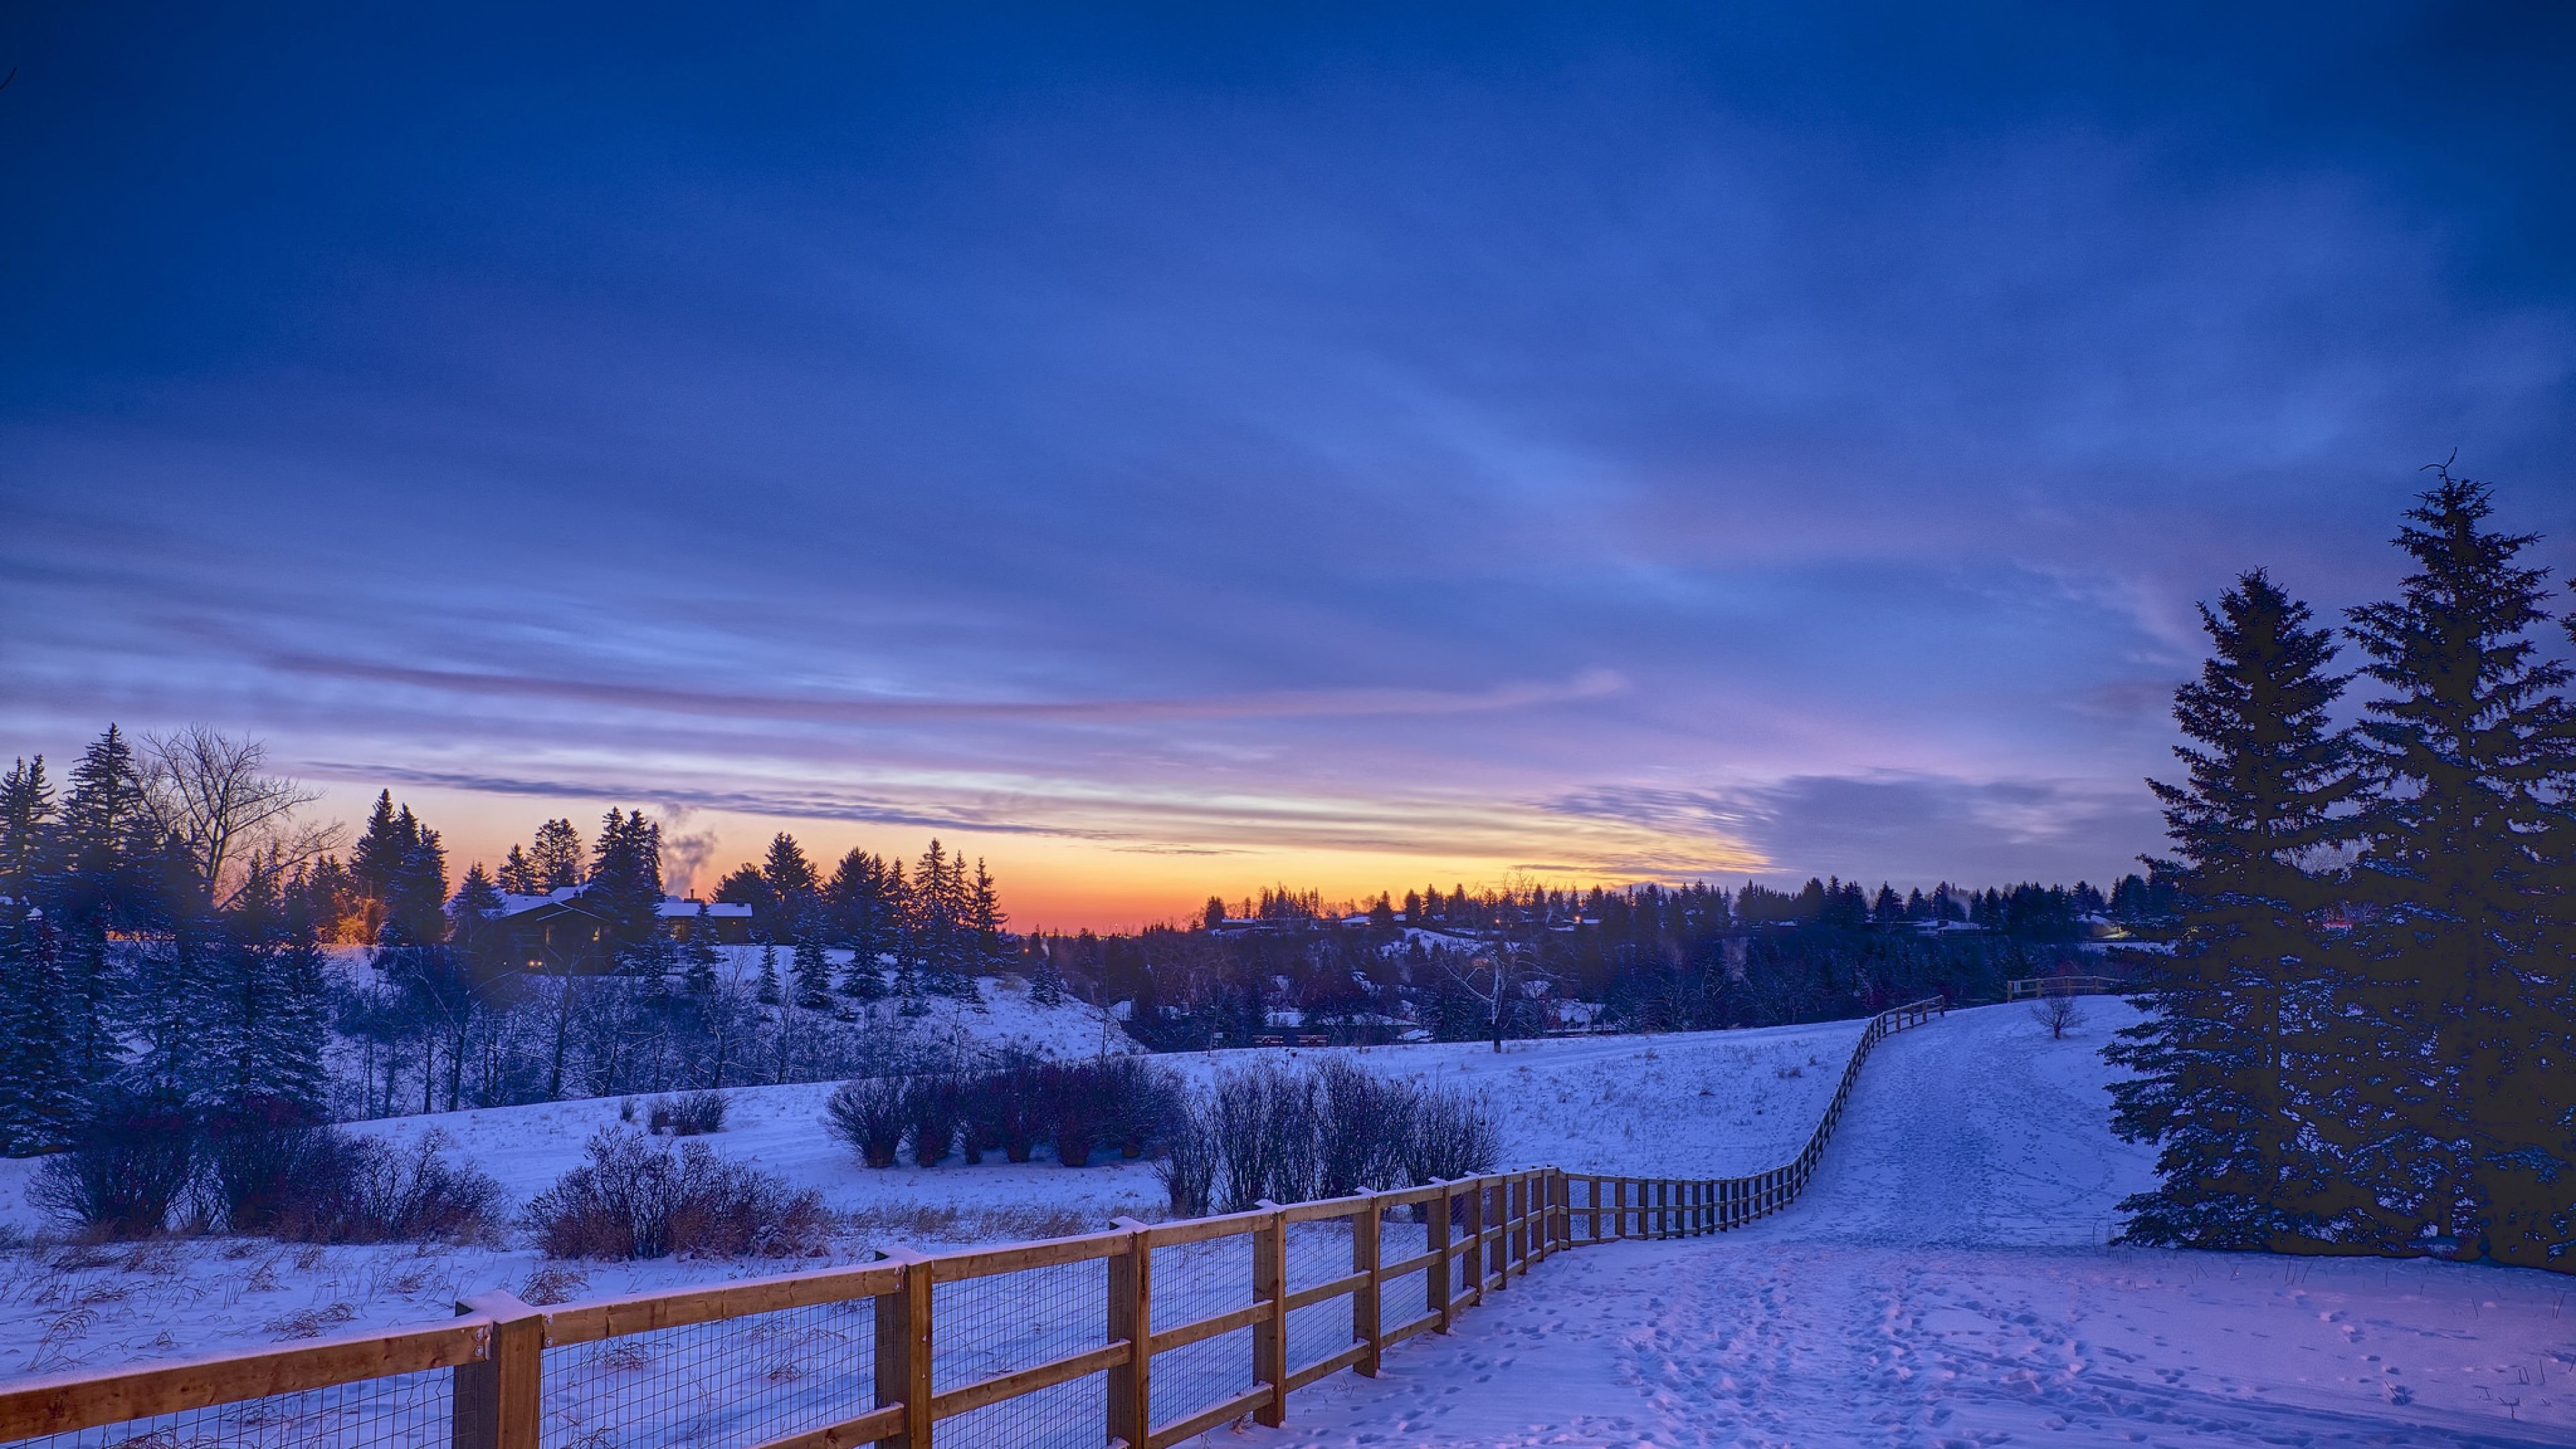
(1194, 1282)
(1407, 1297)
(722, 1385)
(1318, 1331)
(1580, 1200)
(983, 1328)
(1070, 1414)
(397, 1412)
(1318, 1252)
(1199, 1376)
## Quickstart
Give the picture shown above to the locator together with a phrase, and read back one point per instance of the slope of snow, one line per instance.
(1943, 1284)
(1729, 1101)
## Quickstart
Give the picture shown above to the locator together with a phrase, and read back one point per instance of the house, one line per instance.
(559, 931)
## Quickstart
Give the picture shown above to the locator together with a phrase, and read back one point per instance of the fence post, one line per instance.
(1594, 1201)
(1131, 1317)
(1435, 1283)
(1474, 1236)
(1270, 1335)
(495, 1403)
(1366, 1324)
(903, 1351)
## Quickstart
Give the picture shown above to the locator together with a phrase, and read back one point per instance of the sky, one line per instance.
(1170, 451)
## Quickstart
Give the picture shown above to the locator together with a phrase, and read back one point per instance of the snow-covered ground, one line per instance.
(1943, 1283)
(1720, 1102)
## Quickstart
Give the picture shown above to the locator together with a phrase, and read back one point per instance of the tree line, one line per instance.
(165, 924)
(2366, 1040)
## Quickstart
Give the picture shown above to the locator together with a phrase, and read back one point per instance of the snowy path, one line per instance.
(1941, 1285)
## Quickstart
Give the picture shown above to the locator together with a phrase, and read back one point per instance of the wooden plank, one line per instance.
(87, 1398)
(1414, 1264)
(1166, 1339)
(1270, 1335)
(495, 1403)
(1029, 1380)
(1199, 1423)
(1021, 1257)
(876, 1425)
(1131, 1320)
(1367, 1244)
(1320, 1292)
(1435, 1288)
(1325, 1368)
(1325, 1207)
(1200, 1230)
(1427, 1323)
(646, 1312)
(904, 1347)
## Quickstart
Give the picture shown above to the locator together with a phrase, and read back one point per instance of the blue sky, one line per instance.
(1175, 450)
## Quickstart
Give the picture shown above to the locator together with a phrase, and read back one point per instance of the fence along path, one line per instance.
(1143, 1335)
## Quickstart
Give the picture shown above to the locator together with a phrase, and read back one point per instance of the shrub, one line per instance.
(931, 1113)
(869, 1115)
(383, 1196)
(126, 1176)
(688, 1114)
(632, 1199)
(1188, 1165)
(1294, 1135)
(1450, 1134)
(257, 1176)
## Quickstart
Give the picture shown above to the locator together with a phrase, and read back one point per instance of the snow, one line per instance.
(1944, 1283)
(1740, 1100)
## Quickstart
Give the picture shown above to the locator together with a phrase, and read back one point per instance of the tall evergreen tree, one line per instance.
(2218, 1082)
(518, 874)
(106, 821)
(40, 1081)
(555, 859)
(985, 918)
(2471, 742)
(26, 808)
(792, 883)
(812, 968)
(698, 959)
(626, 880)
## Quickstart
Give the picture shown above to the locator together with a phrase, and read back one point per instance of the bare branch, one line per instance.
(212, 792)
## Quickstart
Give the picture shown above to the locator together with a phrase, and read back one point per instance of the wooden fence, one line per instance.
(1143, 1336)
(2037, 986)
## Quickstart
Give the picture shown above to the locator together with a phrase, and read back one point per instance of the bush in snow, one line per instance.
(1291, 1135)
(1189, 1162)
(126, 1177)
(634, 1199)
(931, 1112)
(870, 1115)
(362, 1191)
(688, 1114)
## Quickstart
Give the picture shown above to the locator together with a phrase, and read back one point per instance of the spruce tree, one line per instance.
(2458, 994)
(812, 969)
(769, 992)
(518, 874)
(555, 859)
(40, 1082)
(699, 958)
(26, 806)
(2220, 1078)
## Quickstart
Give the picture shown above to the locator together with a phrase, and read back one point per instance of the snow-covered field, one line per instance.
(1943, 1284)
(1716, 1102)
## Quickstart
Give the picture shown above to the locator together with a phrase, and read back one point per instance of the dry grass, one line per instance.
(947, 1223)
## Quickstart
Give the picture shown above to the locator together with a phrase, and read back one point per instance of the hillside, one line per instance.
(1943, 1283)
(1732, 1101)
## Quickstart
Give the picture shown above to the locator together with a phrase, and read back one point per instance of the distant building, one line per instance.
(559, 932)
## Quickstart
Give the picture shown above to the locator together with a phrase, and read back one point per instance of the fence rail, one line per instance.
(2036, 986)
(1143, 1335)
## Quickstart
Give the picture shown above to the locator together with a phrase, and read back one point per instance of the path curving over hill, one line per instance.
(1942, 1284)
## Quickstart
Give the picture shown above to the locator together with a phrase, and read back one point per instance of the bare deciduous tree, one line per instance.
(2059, 1011)
(214, 793)
(1499, 980)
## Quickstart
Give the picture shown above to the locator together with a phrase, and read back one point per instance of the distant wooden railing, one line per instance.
(2036, 986)
(1141, 1336)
